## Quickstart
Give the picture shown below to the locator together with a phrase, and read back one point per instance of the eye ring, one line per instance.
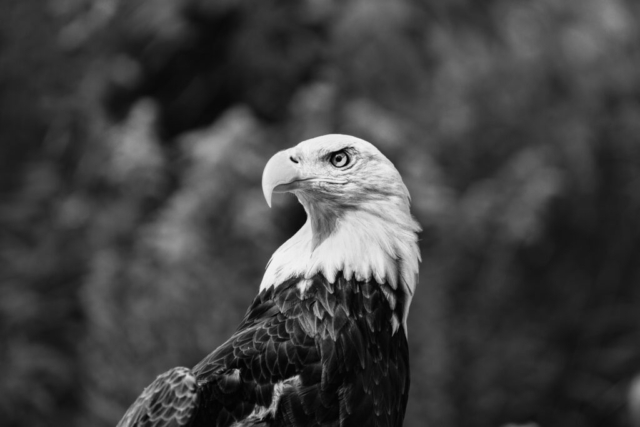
(340, 159)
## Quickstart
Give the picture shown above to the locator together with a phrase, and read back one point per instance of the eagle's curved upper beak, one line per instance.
(281, 174)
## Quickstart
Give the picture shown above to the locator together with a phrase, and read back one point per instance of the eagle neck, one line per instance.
(322, 218)
(366, 244)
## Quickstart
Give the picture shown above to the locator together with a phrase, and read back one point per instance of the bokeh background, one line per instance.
(133, 230)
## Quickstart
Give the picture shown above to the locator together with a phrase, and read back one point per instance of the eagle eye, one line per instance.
(339, 159)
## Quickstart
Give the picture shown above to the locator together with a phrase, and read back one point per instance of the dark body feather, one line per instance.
(325, 356)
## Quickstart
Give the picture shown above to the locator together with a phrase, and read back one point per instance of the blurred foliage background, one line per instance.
(133, 231)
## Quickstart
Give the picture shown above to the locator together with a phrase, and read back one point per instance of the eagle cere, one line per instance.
(324, 343)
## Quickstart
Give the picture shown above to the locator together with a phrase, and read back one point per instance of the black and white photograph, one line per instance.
(319, 213)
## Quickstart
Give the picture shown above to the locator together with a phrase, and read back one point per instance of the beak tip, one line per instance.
(267, 195)
(277, 171)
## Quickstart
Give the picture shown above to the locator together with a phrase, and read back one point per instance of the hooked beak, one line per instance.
(280, 175)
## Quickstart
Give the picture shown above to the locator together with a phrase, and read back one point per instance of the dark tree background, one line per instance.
(133, 231)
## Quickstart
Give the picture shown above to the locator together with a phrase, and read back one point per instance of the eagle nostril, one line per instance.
(293, 159)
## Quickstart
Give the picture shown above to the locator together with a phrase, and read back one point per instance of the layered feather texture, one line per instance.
(319, 355)
(168, 401)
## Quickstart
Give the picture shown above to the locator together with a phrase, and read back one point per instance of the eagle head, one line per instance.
(358, 218)
(339, 171)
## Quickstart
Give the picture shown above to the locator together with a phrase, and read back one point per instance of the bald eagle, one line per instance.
(325, 341)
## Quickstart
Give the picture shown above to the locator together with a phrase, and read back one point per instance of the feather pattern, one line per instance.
(168, 401)
(323, 355)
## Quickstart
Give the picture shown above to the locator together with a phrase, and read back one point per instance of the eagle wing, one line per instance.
(325, 356)
(242, 381)
(169, 401)
(249, 378)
